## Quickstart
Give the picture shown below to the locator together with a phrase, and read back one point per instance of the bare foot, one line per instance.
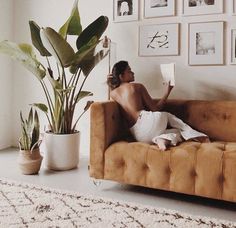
(162, 144)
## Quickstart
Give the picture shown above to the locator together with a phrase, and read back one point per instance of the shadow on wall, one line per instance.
(207, 91)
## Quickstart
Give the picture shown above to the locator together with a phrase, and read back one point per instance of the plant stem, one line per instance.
(50, 104)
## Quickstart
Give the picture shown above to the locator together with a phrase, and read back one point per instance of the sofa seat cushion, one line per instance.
(204, 169)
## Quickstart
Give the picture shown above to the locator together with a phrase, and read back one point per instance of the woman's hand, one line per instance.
(109, 76)
(169, 88)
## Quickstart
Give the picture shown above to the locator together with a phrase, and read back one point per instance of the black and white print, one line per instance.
(160, 39)
(195, 3)
(125, 10)
(124, 7)
(197, 7)
(158, 3)
(205, 43)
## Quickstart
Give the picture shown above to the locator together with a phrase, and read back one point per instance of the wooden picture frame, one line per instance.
(125, 10)
(206, 45)
(198, 7)
(159, 8)
(159, 40)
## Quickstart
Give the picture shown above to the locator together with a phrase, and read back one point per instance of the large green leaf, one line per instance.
(82, 53)
(56, 84)
(91, 60)
(57, 46)
(83, 94)
(36, 39)
(72, 25)
(96, 28)
(41, 106)
(25, 55)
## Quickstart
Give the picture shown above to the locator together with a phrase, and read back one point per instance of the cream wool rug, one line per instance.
(26, 205)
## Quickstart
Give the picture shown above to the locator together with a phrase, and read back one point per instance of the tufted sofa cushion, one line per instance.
(203, 169)
(206, 169)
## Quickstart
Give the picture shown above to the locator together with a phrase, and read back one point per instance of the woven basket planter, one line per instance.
(30, 161)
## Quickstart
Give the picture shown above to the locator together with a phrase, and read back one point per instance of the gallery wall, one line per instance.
(192, 82)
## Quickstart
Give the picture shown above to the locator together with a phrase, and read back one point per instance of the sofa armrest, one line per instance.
(105, 128)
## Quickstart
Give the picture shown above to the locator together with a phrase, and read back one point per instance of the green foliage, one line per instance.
(30, 130)
(65, 87)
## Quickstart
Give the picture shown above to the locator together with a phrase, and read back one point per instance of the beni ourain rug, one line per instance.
(27, 205)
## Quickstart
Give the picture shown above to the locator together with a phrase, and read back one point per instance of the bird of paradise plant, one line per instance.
(72, 68)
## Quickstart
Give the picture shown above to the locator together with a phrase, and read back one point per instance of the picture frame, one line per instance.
(233, 46)
(233, 7)
(206, 43)
(159, 40)
(198, 7)
(125, 10)
(159, 8)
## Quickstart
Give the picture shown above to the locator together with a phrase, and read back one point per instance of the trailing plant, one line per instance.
(30, 130)
(71, 67)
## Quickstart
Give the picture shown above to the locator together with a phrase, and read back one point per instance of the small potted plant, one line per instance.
(29, 155)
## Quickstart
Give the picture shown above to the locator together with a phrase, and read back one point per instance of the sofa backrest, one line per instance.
(217, 119)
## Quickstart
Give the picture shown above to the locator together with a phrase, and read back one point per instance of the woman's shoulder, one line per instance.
(136, 85)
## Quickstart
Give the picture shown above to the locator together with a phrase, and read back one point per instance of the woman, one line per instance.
(143, 114)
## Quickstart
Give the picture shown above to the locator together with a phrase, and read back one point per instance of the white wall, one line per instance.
(193, 82)
(6, 30)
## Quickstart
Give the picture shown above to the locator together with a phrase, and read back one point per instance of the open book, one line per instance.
(168, 73)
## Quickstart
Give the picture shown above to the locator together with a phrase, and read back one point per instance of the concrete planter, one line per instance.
(62, 151)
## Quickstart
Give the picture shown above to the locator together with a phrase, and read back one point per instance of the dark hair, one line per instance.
(118, 69)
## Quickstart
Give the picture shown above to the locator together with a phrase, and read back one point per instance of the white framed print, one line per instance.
(197, 7)
(233, 46)
(234, 7)
(205, 43)
(125, 10)
(159, 39)
(159, 8)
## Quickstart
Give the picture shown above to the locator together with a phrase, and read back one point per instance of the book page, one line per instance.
(168, 73)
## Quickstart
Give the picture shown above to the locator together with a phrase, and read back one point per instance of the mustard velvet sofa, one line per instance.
(202, 169)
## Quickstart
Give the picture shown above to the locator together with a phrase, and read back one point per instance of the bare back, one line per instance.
(129, 97)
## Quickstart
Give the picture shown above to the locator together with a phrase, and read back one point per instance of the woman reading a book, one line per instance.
(143, 114)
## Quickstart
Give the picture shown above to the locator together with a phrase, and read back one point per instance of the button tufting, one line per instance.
(167, 170)
(221, 178)
(145, 167)
(225, 116)
(205, 116)
(121, 163)
(193, 173)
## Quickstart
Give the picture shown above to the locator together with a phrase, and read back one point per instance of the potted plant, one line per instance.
(66, 79)
(29, 158)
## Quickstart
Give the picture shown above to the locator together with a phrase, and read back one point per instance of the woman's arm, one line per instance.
(150, 103)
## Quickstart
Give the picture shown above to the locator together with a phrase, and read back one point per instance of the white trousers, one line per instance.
(152, 126)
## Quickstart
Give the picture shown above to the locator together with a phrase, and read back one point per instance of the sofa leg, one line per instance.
(97, 182)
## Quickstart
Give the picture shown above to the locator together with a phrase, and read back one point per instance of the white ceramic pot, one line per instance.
(62, 151)
(29, 161)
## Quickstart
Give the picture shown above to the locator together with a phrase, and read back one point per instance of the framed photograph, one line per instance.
(196, 7)
(234, 7)
(233, 46)
(125, 10)
(159, 39)
(159, 8)
(206, 43)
